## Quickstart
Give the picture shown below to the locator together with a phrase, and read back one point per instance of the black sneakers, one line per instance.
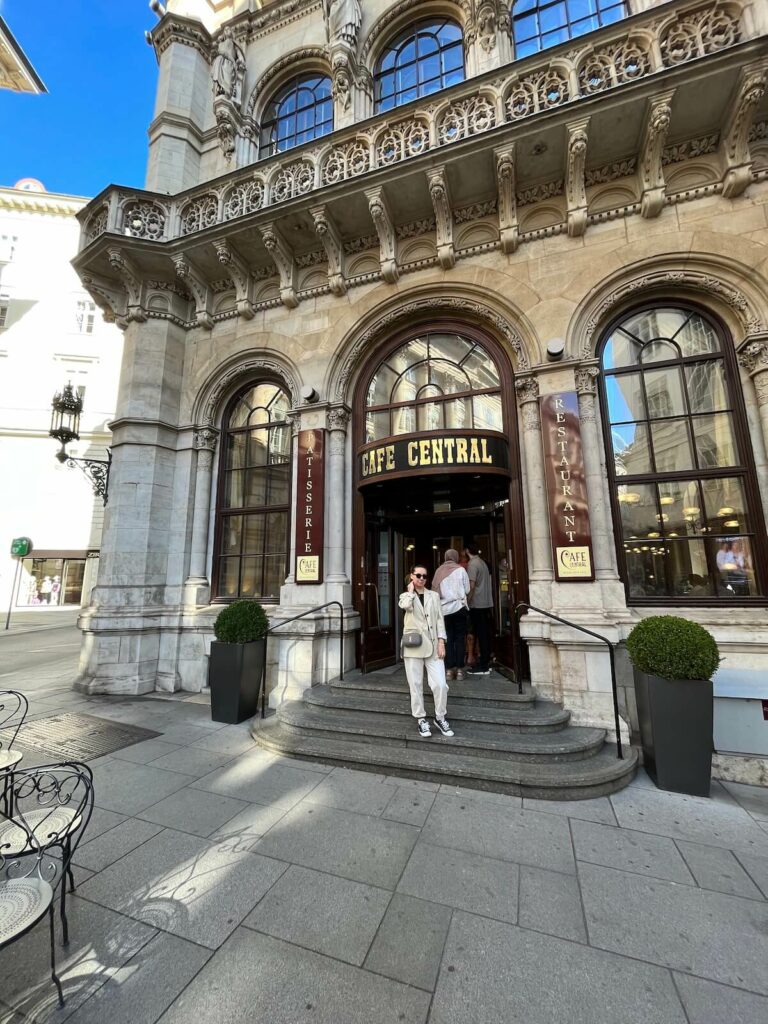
(444, 727)
(424, 729)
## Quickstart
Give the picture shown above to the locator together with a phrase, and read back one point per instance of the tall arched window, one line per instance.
(301, 111)
(434, 382)
(423, 59)
(684, 492)
(253, 514)
(538, 24)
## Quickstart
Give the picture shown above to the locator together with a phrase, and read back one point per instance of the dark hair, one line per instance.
(417, 566)
(473, 549)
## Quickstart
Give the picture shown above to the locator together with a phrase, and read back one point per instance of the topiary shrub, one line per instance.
(673, 648)
(241, 622)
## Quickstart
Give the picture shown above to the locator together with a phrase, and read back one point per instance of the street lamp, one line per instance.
(65, 428)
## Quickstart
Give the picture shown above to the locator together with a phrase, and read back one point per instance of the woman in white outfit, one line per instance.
(424, 615)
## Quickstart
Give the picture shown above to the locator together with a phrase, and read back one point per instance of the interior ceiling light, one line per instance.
(732, 524)
(663, 518)
(653, 534)
(726, 510)
(667, 499)
(630, 498)
(691, 511)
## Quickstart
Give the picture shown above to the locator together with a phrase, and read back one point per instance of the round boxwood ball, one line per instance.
(673, 648)
(241, 622)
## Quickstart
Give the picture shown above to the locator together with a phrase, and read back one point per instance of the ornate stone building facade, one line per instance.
(406, 223)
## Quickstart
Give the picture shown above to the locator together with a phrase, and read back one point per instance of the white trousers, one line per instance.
(414, 673)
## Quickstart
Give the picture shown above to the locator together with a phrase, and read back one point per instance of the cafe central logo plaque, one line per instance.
(566, 487)
(310, 507)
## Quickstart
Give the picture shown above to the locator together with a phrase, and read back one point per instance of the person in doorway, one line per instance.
(45, 590)
(55, 590)
(424, 615)
(452, 584)
(480, 605)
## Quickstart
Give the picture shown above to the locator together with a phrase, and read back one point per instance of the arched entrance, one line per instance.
(436, 466)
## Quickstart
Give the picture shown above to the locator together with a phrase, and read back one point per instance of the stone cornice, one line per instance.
(51, 203)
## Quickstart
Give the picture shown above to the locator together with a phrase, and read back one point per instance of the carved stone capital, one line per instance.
(198, 286)
(239, 274)
(283, 258)
(337, 420)
(441, 203)
(736, 155)
(507, 203)
(385, 229)
(658, 118)
(586, 380)
(527, 389)
(753, 356)
(575, 186)
(205, 439)
(333, 245)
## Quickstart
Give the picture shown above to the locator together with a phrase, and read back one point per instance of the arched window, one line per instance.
(425, 58)
(684, 494)
(537, 24)
(434, 382)
(301, 111)
(253, 516)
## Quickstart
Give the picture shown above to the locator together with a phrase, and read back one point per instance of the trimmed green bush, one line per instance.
(241, 622)
(673, 648)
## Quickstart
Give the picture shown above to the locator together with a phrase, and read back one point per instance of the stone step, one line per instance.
(494, 690)
(477, 739)
(572, 780)
(539, 717)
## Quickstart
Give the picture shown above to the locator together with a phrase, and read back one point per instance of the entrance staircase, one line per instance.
(505, 741)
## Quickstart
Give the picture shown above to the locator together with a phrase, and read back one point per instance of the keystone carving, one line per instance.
(736, 155)
(505, 179)
(131, 280)
(575, 186)
(441, 202)
(652, 150)
(283, 259)
(240, 276)
(385, 229)
(197, 285)
(332, 242)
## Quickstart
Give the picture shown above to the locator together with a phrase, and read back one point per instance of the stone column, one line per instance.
(338, 421)
(537, 515)
(753, 357)
(603, 546)
(205, 446)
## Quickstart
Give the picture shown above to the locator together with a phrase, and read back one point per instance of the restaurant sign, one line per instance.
(417, 453)
(566, 487)
(310, 507)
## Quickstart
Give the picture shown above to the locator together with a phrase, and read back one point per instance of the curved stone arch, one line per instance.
(513, 331)
(306, 58)
(392, 21)
(220, 385)
(727, 287)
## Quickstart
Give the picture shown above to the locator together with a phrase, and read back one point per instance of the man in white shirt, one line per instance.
(452, 583)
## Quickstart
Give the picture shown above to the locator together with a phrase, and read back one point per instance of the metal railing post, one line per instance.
(294, 618)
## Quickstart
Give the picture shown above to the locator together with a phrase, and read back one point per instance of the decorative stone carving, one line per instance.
(244, 199)
(753, 356)
(205, 439)
(476, 211)
(441, 203)
(696, 33)
(293, 180)
(248, 368)
(527, 389)
(401, 141)
(356, 245)
(240, 275)
(96, 224)
(228, 67)
(346, 161)
(311, 259)
(343, 19)
(111, 300)
(465, 118)
(613, 65)
(651, 171)
(144, 219)
(509, 232)
(609, 172)
(338, 419)
(333, 245)
(738, 162)
(201, 212)
(176, 29)
(538, 193)
(197, 286)
(690, 149)
(537, 91)
(130, 278)
(282, 256)
(415, 228)
(382, 219)
(575, 189)
(586, 379)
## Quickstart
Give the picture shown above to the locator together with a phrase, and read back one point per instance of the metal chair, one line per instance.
(13, 710)
(52, 807)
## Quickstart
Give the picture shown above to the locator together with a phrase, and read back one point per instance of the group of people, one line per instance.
(461, 594)
(47, 592)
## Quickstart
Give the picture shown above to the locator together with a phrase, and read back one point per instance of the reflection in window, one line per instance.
(538, 24)
(254, 494)
(425, 58)
(434, 382)
(300, 112)
(677, 470)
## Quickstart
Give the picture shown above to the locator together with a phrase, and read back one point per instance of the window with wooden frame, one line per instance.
(253, 508)
(686, 506)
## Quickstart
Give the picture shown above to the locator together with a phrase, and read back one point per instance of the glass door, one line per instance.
(505, 583)
(377, 590)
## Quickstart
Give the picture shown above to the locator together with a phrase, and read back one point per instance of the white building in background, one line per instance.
(50, 333)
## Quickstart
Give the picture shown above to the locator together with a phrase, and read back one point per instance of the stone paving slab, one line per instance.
(479, 826)
(464, 880)
(495, 973)
(630, 851)
(321, 912)
(184, 885)
(351, 845)
(193, 761)
(718, 869)
(757, 868)
(105, 849)
(723, 938)
(231, 740)
(193, 811)
(551, 902)
(246, 828)
(258, 978)
(411, 806)
(598, 810)
(143, 753)
(409, 943)
(709, 1003)
(257, 779)
(128, 788)
(353, 791)
(753, 799)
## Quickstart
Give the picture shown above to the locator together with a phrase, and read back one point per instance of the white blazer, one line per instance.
(427, 620)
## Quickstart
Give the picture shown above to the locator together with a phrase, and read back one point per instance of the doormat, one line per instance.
(72, 737)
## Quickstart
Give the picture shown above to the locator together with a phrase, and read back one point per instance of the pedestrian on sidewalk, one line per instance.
(480, 607)
(452, 584)
(424, 620)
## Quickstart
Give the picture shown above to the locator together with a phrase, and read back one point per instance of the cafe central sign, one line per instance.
(566, 487)
(417, 453)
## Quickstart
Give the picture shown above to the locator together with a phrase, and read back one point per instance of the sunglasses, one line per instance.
(419, 575)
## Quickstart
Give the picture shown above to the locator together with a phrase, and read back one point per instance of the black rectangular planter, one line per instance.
(676, 729)
(234, 674)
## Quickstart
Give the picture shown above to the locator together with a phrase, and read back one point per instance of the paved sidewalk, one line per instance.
(221, 884)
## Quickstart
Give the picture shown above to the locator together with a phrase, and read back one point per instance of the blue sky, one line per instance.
(90, 130)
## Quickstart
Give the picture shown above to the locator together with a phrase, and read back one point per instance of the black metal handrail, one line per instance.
(597, 636)
(284, 622)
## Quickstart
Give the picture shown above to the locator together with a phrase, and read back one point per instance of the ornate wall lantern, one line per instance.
(66, 408)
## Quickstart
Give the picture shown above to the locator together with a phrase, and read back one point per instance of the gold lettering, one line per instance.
(449, 443)
(567, 490)
(307, 522)
(564, 461)
(561, 431)
(424, 452)
(437, 451)
(568, 507)
(365, 463)
(487, 459)
(413, 448)
(379, 459)
(474, 451)
(307, 549)
(390, 456)
(307, 510)
(462, 455)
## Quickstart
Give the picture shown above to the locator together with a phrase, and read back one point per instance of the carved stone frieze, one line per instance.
(475, 212)
(363, 244)
(240, 276)
(415, 228)
(690, 149)
(205, 439)
(575, 187)
(537, 193)
(509, 232)
(441, 203)
(586, 379)
(282, 256)
(738, 162)
(651, 173)
(610, 172)
(311, 259)
(329, 235)
(382, 220)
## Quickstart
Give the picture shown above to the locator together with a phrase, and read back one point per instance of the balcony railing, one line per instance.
(661, 38)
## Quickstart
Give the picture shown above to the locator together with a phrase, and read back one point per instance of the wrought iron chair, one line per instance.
(52, 807)
(13, 710)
